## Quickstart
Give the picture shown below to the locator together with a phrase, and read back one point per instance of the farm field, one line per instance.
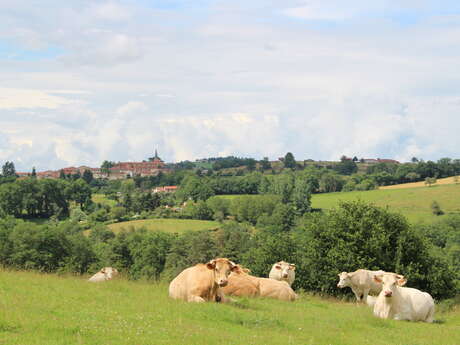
(441, 181)
(38, 309)
(414, 203)
(102, 199)
(166, 225)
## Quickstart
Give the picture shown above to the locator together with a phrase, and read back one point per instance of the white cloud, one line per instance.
(28, 99)
(238, 78)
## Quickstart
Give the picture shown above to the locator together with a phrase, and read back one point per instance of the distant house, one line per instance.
(165, 189)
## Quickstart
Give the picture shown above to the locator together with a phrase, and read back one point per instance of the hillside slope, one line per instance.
(414, 203)
(50, 310)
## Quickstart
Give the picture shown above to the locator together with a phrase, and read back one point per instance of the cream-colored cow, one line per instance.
(402, 303)
(240, 283)
(276, 289)
(106, 273)
(202, 282)
(283, 271)
(361, 283)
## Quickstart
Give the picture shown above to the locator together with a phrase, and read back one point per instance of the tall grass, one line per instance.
(51, 310)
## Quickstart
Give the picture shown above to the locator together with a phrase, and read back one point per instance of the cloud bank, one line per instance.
(84, 81)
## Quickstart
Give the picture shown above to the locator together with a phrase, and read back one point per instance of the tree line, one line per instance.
(354, 235)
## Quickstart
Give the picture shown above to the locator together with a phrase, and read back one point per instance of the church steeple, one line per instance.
(156, 157)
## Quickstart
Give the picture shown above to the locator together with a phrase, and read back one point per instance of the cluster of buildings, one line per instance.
(119, 170)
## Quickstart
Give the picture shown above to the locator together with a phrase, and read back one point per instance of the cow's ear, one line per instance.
(211, 264)
(292, 267)
(378, 278)
(102, 270)
(278, 267)
(402, 281)
(234, 267)
(246, 270)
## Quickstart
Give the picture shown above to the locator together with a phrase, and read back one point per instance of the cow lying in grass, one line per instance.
(106, 273)
(283, 271)
(241, 283)
(402, 303)
(202, 282)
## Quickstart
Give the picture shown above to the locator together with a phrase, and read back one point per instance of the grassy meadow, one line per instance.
(38, 309)
(166, 225)
(102, 199)
(414, 203)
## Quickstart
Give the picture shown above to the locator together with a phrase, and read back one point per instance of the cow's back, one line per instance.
(421, 304)
(364, 279)
(276, 289)
(98, 277)
(241, 284)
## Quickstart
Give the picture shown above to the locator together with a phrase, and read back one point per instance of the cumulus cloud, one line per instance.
(29, 99)
(207, 80)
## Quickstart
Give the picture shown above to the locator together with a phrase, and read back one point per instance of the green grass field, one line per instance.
(102, 199)
(166, 225)
(414, 203)
(37, 309)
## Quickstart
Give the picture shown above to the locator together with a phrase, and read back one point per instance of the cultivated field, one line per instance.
(102, 199)
(441, 181)
(166, 225)
(414, 203)
(38, 309)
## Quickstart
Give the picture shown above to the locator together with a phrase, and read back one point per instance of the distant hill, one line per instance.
(441, 181)
(414, 203)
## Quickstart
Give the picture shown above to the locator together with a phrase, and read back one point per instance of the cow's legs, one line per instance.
(364, 296)
(358, 295)
(197, 299)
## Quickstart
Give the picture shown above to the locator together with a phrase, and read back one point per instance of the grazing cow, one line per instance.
(202, 282)
(276, 289)
(283, 271)
(106, 273)
(240, 283)
(361, 283)
(402, 303)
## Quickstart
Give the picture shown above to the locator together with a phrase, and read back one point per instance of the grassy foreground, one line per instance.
(166, 225)
(414, 203)
(50, 310)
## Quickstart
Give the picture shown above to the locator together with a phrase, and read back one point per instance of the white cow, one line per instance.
(361, 283)
(283, 271)
(402, 303)
(106, 273)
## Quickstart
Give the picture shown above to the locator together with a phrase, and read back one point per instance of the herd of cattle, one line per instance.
(221, 277)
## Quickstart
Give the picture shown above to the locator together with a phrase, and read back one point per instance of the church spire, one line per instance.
(156, 154)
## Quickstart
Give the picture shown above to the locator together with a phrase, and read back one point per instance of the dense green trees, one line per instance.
(354, 235)
(8, 169)
(43, 198)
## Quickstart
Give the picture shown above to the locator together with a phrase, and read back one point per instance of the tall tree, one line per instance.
(34, 173)
(8, 169)
(87, 176)
(289, 161)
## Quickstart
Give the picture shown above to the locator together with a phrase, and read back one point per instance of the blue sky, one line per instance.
(89, 80)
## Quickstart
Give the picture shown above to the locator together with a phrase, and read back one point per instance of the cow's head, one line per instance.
(284, 268)
(344, 280)
(241, 270)
(222, 268)
(109, 272)
(390, 283)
